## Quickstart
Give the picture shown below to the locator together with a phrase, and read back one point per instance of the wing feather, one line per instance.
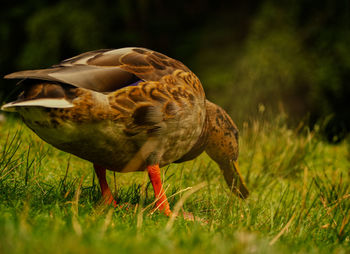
(106, 70)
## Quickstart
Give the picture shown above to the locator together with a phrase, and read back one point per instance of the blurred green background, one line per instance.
(254, 58)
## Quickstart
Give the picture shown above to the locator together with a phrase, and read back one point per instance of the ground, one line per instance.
(299, 202)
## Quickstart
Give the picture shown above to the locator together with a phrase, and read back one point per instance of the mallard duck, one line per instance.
(126, 110)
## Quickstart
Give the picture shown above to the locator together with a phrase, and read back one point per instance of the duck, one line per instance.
(127, 110)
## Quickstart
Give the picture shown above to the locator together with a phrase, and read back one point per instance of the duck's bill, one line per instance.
(239, 185)
(235, 180)
(47, 103)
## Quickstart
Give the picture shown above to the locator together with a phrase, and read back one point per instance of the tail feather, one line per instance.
(43, 102)
(42, 94)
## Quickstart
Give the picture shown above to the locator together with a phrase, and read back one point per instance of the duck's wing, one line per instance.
(107, 70)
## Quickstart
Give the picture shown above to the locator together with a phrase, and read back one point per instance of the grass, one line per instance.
(299, 203)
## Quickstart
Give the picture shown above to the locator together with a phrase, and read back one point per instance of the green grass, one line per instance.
(299, 202)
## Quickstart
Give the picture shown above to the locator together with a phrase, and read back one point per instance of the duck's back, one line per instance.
(117, 108)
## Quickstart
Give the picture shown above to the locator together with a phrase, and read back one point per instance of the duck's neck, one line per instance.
(219, 137)
(222, 137)
(201, 143)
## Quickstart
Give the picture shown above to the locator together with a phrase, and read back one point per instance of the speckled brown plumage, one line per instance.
(125, 109)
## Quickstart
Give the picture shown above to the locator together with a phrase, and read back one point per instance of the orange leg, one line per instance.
(106, 192)
(162, 202)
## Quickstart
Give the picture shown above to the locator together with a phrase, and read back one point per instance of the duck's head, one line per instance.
(222, 147)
